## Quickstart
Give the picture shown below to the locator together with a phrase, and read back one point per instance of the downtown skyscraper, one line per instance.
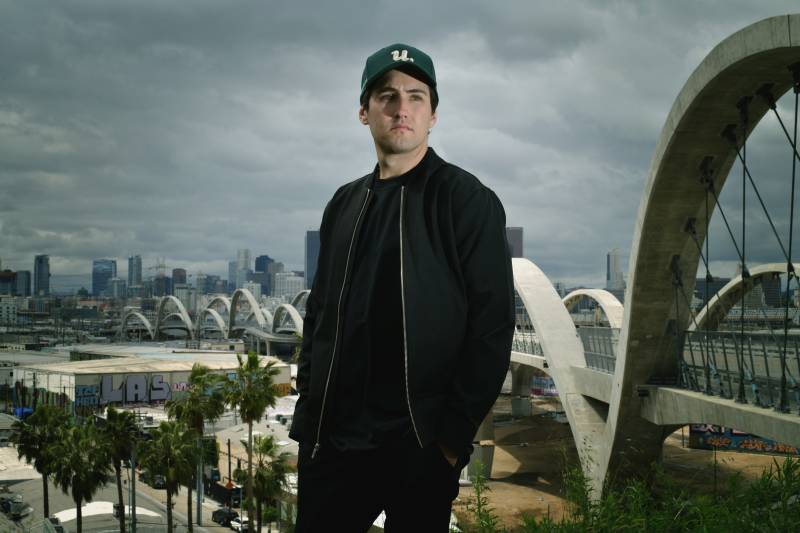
(41, 275)
(311, 256)
(102, 272)
(134, 271)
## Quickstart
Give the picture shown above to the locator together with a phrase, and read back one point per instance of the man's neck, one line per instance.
(393, 165)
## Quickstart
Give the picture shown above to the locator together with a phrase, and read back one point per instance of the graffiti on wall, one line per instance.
(708, 436)
(86, 395)
(134, 389)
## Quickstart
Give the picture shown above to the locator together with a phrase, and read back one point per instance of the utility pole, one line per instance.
(132, 498)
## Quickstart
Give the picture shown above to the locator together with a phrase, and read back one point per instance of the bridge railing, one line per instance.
(745, 368)
(600, 347)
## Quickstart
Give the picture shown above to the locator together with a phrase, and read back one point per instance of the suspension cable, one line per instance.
(783, 405)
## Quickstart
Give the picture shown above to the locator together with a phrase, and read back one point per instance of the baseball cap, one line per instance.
(398, 56)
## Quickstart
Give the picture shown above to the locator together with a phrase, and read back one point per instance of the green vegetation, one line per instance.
(202, 401)
(120, 432)
(170, 453)
(80, 457)
(251, 391)
(35, 438)
(83, 464)
(769, 504)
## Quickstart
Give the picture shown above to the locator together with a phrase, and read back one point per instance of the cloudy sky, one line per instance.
(189, 129)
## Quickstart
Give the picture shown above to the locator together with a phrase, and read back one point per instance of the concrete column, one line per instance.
(521, 378)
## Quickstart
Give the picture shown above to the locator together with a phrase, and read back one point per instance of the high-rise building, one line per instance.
(312, 256)
(615, 280)
(287, 284)
(200, 283)
(8, 283)
(117, 288)
(102, 272)
(41, 275)
(262, 261)
(178, 276)
(187, 295)
(23, 283)
(243, 259)
(514, 238)
(134, 270)
(254, 288)
(232, 269)
(8, 309)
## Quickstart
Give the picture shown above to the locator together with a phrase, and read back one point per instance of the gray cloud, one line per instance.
(189, 131)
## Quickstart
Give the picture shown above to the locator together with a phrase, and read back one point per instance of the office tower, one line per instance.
(117, 288)
(312, 256)
(615, 281)
(232, 269)
(243, 260)
(8, 283)
(162, 286)
(41, 275)
(514, 238)
(23, 283)
(287, 284)
(187, 295)
(178, 276)
(200, 283)
(102, 272)
(262, 261)
(134, 270)
(254, 288)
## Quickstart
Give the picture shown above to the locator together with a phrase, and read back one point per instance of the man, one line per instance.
(408, 326)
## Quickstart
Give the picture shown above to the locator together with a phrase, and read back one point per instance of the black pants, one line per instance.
(346, 491)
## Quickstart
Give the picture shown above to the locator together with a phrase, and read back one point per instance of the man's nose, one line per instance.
(402, 107)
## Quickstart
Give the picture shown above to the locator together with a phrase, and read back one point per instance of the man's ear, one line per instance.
(362, 115)
(432, 122)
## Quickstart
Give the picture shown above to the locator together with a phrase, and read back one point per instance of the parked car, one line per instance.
(223, 516)
(156, 481)
(241, 525)
(19, 510)
(57, 526)
(7, 499)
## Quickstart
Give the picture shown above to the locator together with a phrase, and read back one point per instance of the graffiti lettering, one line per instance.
(159, 389)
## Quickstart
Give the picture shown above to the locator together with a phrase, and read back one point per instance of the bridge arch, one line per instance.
(563, 352)
(218, 321)
(286, 312)
(663, 252)
(181, 314)
(139, 316)
(299, 301)
(255, 309)
(607, 302)
(730, 294)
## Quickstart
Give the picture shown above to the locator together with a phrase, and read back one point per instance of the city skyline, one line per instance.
(191, 145)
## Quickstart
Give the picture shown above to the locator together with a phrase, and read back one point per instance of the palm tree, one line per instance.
(272, 468)
(121, 433)
(252, 391)
(82, 466)
(202, 401)
(170, 452)
(35, 438)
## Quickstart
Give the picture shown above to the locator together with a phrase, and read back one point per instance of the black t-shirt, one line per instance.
(370, 406)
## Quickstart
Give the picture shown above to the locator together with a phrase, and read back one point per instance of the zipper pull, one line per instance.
(315, 450)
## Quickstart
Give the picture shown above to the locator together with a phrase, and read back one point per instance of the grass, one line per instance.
(771, 504)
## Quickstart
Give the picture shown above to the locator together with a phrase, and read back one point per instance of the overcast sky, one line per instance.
(189, 129)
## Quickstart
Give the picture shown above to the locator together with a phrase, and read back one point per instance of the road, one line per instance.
(150, 502)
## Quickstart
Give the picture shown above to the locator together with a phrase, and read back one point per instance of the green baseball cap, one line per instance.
(398, 56)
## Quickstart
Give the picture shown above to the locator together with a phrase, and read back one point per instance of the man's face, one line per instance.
(399, 114)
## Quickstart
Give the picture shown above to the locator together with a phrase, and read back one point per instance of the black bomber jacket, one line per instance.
(458, 304)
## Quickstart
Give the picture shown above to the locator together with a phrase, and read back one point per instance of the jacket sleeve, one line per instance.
(486, 350)
(304, 359)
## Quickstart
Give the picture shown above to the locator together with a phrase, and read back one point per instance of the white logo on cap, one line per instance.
(398, 55)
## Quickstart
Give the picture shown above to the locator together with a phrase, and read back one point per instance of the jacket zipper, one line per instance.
(338, 321)
(403, 301)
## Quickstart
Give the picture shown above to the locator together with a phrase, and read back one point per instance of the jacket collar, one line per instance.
(430, 163)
